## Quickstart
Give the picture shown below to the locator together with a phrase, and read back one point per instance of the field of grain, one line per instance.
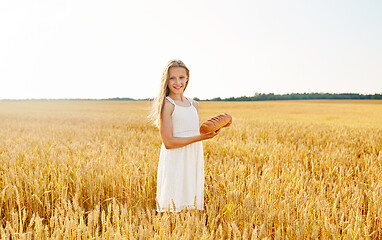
(283, 170)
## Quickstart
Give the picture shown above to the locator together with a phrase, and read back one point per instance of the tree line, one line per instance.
(296, 96)
(256, 97)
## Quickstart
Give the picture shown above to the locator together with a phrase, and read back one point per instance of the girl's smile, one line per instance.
(177, 80)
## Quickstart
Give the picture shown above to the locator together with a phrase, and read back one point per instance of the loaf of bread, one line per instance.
(215, 123)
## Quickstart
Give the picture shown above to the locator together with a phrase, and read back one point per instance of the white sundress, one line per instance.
(180, 179)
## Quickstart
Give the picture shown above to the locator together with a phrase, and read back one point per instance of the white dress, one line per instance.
(180, 179)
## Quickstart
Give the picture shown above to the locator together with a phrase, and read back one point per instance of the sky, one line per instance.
(118, 48)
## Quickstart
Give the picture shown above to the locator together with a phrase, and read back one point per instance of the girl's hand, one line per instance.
(210, 135)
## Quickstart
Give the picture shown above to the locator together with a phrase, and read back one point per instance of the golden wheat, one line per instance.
(283, 170)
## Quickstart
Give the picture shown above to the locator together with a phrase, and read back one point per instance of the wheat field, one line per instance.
(283, 170)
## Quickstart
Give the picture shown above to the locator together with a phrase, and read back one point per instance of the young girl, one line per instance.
(180, 179)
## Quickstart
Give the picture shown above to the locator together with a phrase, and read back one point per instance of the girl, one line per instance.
(180, 179)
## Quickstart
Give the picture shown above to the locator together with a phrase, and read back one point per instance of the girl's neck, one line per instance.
(179, 97)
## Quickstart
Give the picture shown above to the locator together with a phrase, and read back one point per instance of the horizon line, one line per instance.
(206, 99)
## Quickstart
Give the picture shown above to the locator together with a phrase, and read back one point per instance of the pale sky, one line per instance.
(116, 48)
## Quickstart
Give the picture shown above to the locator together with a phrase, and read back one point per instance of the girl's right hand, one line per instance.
(210, 135)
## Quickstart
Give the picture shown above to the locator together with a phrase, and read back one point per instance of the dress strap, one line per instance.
(170, 99)
(190, 100)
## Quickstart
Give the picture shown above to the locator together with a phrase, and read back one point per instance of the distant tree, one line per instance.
(216, 99)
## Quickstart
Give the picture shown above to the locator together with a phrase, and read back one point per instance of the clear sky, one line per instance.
(118, 48)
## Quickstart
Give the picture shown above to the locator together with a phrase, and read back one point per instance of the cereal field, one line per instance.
(283, 170)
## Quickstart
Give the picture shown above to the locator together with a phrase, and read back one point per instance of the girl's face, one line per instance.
(177, 80)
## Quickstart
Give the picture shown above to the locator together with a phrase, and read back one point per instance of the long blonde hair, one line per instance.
(164, 91)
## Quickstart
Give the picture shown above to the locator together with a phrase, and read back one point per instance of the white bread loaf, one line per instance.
(215, 123)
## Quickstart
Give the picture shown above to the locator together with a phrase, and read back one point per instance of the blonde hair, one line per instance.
(164, 91)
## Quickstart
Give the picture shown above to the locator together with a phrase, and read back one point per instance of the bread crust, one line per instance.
(215, 123)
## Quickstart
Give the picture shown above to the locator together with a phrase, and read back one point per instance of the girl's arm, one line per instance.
(168, 139)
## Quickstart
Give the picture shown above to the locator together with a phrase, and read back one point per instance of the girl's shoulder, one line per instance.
(190, 100)
(169, 100)
(168, 106)
(168, 103)
(195, 103)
